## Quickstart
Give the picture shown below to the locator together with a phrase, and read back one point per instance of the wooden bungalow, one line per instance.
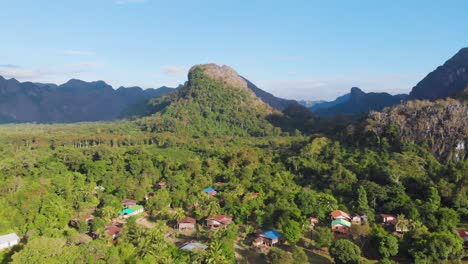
(131, 211)
(257, 242)
(126, 203)
(160, 185)
(464, 235)
(341, 226)
(113, 230)
(338, 214)
(218, 221)
(88, 218)
(270, 237)
(187, 223)
(388, 219)
(210, 191)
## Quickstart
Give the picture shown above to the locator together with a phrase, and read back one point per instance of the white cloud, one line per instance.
(175, 71)
(26, 74)
(77, 52)
(47, 73)
(9, 66)
(126, 2)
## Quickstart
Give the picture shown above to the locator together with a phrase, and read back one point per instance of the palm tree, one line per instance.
(215, 253)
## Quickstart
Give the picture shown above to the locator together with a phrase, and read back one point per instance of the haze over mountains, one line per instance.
(449, 79)
(77, 100)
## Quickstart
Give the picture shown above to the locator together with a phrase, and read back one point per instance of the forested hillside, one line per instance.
(214, 101)
(214, 133)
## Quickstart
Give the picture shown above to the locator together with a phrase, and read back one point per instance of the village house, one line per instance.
(401, 228)
(464, 235)
(270, 238)
(9, 240)
(187, 223)
(131, 211)
(313, 221)
(74, 222)
(359, 219)
(258, 242)
(387, 219)
(191, 246)
(113, 230)
(160, 185)
(88, 218)
(126, 203)
(338, 214)
(210, 191)
(341, 226)
(218, 221)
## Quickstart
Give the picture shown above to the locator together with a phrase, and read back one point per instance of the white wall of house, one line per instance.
(8, 241)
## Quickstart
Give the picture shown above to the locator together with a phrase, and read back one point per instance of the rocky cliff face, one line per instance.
(231, 78)
(449, 79)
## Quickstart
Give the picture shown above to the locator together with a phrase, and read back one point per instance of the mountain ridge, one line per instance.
(72, 101)
(449, 79)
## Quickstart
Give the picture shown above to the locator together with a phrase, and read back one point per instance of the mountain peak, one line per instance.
(80, 84)
(222, 73)
(356, 91)
(447, 80)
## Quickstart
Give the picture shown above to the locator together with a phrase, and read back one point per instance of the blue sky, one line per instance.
(294, 49)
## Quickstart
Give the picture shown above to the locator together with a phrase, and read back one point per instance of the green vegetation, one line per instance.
(51, 174)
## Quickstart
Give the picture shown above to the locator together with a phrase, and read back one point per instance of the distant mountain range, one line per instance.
(78, 100)
(357, 101)
(72, 101)
(450, 79)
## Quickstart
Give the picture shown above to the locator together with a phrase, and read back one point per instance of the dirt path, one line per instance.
(145, 222)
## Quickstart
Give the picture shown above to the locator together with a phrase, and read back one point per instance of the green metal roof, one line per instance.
(341, 222)
(130, 210)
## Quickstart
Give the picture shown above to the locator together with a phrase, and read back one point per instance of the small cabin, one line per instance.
(257, 242)
(341, 226)
(88, 218)
(114, 231)
(210, 191)
(9, 240)
(338, 214)
(194, 246)
(313, 221)
(160, 185)
(388, 219)
(131, 211)
(464, 235)
(218, 221)
(187, 223)
(271, 237)
(126, 203)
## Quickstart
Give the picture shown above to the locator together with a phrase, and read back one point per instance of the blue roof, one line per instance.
(208, 190)
(272, 234)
